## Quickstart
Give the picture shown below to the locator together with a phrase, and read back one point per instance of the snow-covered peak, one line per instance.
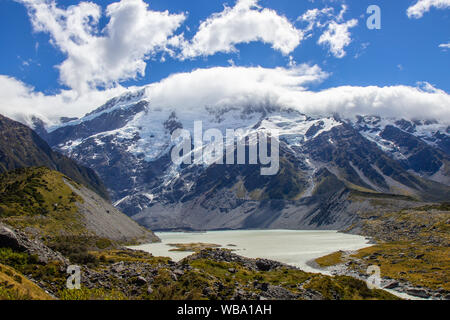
(123, 101)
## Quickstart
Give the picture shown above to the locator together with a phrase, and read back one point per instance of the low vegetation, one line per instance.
(420, 265)
(14, 286)
(330, 260)
(107, 257)
(24, 266)
(200, 279)
(39, 199)
(293, 280)
(91, 294)
(192, 247)
(412, 246)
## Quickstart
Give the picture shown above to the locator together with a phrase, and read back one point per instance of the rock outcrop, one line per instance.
(19, 241)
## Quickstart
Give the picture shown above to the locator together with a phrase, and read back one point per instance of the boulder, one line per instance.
(8, 239)
(140, 281)
(19, 241)
(391, 285)
(421, 293)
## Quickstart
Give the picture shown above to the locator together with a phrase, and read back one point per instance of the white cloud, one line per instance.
(422, 6)
(445, 46)
(20, 101)
(240, 86)
(103, 57)
(427, 87)
(243, 23)
(337, 37)
(313, 18)
(224, 86)
(390, 101)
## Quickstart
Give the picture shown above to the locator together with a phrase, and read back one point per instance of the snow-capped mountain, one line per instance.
(325, 162)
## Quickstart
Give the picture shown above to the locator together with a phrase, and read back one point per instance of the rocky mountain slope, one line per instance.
(325, 162)
(48, 205)
(21, 147)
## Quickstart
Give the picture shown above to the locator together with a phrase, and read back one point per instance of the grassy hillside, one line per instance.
(14, 286)
(38, 198)
(21, 147)
(68, 217)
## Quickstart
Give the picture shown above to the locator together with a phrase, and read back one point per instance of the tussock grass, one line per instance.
(14, 286)
(330, 260)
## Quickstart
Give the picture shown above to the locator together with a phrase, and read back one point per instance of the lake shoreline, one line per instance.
(293, 247)
(307, 263)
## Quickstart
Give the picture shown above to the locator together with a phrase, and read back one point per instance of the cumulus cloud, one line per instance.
(103, 57)
(421, 7)
(239, 87)
(243, 23)
(313, 18)
(337, 37)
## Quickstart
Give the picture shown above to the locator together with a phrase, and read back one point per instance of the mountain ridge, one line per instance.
(21, 147)
(369, 155)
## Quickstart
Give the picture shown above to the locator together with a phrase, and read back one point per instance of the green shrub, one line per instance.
(76, 249)
(17, 260)
(103, 243)
(18, 278)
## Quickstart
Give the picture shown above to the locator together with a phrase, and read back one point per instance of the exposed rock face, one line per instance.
(422, 157)
(105, 221)
(19, 241)
(323, 162)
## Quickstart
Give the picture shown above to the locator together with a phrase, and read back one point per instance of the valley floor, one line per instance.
(411, 249)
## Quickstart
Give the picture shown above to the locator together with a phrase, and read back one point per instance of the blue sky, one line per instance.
(405, 51)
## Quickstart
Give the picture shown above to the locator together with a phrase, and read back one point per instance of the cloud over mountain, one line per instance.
(239, 87)
(287, 87)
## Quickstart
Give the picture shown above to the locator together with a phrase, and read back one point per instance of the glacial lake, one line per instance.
(294, 247)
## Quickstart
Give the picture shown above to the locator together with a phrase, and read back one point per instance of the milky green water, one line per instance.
(294, 247)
